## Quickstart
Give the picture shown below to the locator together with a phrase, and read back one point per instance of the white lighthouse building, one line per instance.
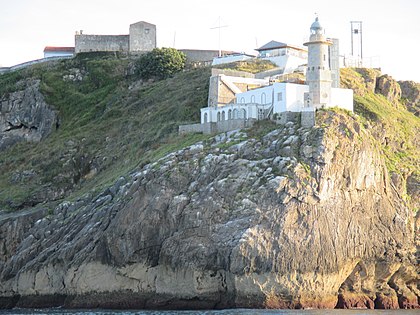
(251, 99)
(318, 73)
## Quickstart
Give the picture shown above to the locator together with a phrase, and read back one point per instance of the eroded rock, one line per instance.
(233, 222)
(25, 116)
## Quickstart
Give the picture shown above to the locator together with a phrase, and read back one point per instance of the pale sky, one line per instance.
(391, 28)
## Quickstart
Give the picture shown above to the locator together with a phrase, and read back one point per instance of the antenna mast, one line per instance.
(219, 27)
(356, 33)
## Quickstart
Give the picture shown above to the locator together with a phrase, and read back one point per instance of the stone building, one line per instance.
(141, 37)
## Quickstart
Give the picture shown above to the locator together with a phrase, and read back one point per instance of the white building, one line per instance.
(288, 57)
(267, 100)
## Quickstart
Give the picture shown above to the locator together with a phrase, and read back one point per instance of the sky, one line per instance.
(391, 28)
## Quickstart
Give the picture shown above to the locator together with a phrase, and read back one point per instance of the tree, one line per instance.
(160, 63)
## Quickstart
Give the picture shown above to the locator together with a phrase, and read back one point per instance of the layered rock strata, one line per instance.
(291, 218)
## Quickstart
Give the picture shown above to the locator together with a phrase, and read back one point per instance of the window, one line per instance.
(263, 98)
(253, 99)
(205, 117)
(230, 114)
(218, 116)
(324, 57)
(235, 114)
(279, 96)
(223, 116)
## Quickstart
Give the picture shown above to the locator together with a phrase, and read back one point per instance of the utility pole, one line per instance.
(219, 27)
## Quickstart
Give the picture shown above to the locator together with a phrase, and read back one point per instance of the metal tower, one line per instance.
(357, 41)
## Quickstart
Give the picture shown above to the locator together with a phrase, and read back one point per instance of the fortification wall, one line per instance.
(87, 43)
(142, 37)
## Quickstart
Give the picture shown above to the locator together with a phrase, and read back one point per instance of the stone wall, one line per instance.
(193, 128)
(307, 119)
(194, 55)
(217, 127)
(142, 37)
(88, 43)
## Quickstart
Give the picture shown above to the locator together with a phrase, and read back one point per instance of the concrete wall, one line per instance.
(32, 62)
(232, 73)
(269, 73)
(285, 117)
(230, 58)
(87, 43)
(342, 98)
(193, 128)
(142, 37)
(295, 96)
(48, 54)
(307, 118)
(287, 62)
(216, 127)
(200, 55)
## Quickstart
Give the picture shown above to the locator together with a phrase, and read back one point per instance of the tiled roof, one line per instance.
(52, 48)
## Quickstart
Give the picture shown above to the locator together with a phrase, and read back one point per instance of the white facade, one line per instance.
(287, 57)
(342, 98)
(275, 98)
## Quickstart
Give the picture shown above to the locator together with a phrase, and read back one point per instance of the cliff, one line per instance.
(277, 216)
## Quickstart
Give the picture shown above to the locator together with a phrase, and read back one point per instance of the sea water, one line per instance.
(55, 311)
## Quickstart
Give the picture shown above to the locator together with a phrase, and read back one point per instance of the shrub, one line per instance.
(160, 63)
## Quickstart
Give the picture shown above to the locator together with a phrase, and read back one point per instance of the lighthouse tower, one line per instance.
(318, 74)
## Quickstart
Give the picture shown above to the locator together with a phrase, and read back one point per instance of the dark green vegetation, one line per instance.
(160, 63)
(110, 123)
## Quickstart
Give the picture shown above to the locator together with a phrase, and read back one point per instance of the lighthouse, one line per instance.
(318, 74)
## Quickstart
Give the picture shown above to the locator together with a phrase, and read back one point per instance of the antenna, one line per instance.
(356, 34)
(219, 27)
(174, 39)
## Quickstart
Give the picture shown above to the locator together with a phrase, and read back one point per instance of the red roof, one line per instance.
(52, 48)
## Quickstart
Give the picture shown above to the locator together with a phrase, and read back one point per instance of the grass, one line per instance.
(106, 128)
(110, 123)
(395, 130)
(251, 66)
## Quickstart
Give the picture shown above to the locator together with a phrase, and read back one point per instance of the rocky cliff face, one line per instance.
(410, 92)
(290, 217)
(25, 116)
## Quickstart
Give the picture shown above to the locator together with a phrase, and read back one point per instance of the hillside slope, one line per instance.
(107, 122)
(276, 216)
